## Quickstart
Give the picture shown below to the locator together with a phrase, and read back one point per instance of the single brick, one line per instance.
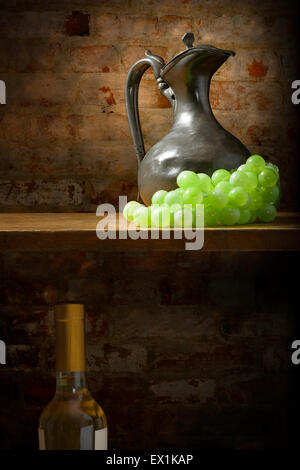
(27, 161)
(191, 391)
(240, 30)
(183, 321)
(125, 27)
(42, 89)
(40, 193)
(94, 58)
(246, 95)
(172, 25)
(32, 24)
(118, 358)
(98, 158)
(259, 64)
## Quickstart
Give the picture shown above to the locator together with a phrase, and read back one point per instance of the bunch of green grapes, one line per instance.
(240, 196)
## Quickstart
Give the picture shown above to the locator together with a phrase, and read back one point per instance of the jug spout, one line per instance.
(209, 58)
(205, 59)
(188, 75)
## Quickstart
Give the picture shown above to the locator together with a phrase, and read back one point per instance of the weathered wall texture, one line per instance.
(64, 137)
(184, 351)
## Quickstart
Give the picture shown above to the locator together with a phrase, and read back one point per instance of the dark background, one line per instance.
(186, 350)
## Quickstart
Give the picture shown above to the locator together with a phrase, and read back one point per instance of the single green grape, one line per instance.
(205, 182)
(187, 178)
(225, 186)
(271, 195)
(239, 178)
(218, 198)
(246, 206)
(192, 195)
(272, 165)
(183, 218)
(252, 180)
(242, 167)
(161, 216)
(238, 196)
(256, 200)
(230, 215)
(130, 209)
(174, 197)
(253, 217)
(159, 196)
(179, 191)
(268, 177)
(175, 207)
(245, 216)
(142, 216)
(211, 216)
(219, 175)
(267, 213)
(255, 164)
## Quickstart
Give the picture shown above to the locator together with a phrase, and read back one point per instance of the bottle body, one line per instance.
(73, 420)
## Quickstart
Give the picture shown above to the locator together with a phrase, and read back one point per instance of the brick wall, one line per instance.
(184, 351)
(64, 137)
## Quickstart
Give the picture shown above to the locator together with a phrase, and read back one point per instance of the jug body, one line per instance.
(187, 149)
(196, 140)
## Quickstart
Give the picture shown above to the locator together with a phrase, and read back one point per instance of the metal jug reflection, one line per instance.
(196, 140)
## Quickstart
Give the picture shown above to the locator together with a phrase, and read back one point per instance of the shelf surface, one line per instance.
(77, 231)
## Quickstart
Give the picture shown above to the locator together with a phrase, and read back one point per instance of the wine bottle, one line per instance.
(73, 420)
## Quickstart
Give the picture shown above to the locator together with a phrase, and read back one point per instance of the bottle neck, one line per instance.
(70, 382)
(70, 344)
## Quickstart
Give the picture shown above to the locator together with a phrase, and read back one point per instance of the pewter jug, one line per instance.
(196, 140)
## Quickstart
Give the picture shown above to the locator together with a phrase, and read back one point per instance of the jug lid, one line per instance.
(188, 40)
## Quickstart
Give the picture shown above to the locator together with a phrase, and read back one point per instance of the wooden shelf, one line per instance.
(77, 231)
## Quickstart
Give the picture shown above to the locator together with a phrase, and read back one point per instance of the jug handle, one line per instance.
(131, 97)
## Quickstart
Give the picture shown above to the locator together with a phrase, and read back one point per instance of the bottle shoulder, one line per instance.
(77, 406)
